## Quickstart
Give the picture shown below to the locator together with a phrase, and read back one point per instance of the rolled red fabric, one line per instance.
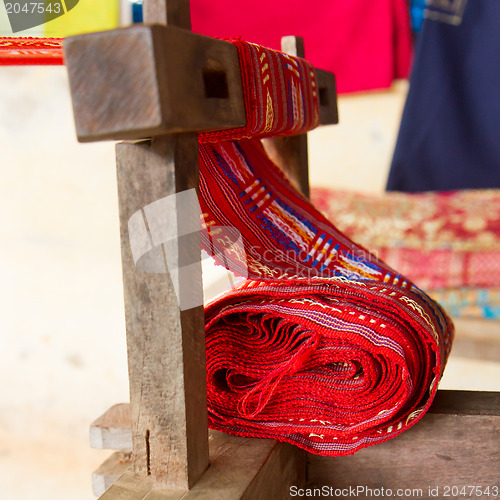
(329, 365)
(325, 346)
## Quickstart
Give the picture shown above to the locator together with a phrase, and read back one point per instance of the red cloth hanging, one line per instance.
(367, 44)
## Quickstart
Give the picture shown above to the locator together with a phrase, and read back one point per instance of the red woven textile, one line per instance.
(326, 346)
(329, 365)
(30, 51)
(280, 93)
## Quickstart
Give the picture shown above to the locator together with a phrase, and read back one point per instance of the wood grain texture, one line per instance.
(113, 468)
(446, 402)
(291, 153)
(285, 467)
(146, 81)
(241, 469)
(128, 487)
(171, 12)
(166, 346)
(456, 443)
(112, 430)
(464, 403)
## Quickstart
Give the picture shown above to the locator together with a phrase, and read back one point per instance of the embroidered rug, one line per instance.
(325, 346)
(463, 302)
(446, 242)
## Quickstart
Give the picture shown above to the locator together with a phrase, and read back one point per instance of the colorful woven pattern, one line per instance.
(327, 347)
(330, 365)
(280, 92)
(438, 240)
(283, 234)
(30, 51)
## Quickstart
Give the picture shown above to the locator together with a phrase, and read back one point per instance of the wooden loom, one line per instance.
(166, 84)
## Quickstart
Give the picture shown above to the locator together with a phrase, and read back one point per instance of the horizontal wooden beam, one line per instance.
(240, 469)
(458, 437)
(114, 467)
(145, 81)
(453, 403)
(455, 444)
(112, 431)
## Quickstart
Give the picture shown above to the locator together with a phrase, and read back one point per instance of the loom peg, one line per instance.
(171, 13)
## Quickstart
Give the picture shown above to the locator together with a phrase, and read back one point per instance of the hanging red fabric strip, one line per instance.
(15, 51)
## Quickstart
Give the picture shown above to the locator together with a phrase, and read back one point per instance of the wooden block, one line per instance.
(293, 45)
(112, 431)
(241, 468)
(166, 346)
(113, 468)
(290, 153)
(466, 403)
(455, 444)
(146, 81)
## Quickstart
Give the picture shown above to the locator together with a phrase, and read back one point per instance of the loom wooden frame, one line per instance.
(165, 425)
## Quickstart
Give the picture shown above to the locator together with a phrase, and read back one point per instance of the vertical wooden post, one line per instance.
(169, 12)
(290, 153)
(166, 346)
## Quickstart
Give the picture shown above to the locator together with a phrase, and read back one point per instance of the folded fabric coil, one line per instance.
(332, 352)
(329, 365)
(325, 346)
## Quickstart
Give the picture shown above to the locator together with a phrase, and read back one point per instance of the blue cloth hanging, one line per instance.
(450, 131)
